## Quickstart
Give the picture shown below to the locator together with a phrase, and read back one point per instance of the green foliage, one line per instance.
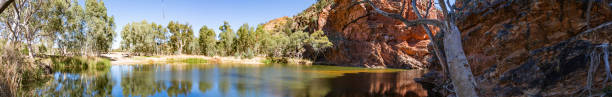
(78, 64)
(295, 48)
(182, 35)
(100, 26)
(246, 41)
(188, 60)
(226, 40)
(319, 41)
(194, 61)
(143, 38)
(207, 41)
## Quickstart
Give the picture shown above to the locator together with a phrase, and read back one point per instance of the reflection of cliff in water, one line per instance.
(396, 84)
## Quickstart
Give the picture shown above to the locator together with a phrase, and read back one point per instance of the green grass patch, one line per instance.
(152, 56)
(188, 60)
(195, 61)
(78, 64)
(267, 61)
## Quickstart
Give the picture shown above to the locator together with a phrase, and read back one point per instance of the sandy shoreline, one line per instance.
(118, 59)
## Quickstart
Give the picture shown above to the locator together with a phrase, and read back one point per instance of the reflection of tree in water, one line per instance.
(241, 84)
(141, 82)
(204, 86)
(224, 83)
(179, 87)
(398, 84)
(141, 86)
(74, 85)
(102, 86)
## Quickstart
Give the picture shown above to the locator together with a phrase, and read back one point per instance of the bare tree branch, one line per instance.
(4, 4)
(438, 52)
(429, 3)
(355, 20)
(588, 11)
(406, 21)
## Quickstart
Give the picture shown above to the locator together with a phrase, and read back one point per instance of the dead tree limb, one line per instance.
(438, 52)
(4, 4)
(461, 75)
(588, 11)
(406, 21)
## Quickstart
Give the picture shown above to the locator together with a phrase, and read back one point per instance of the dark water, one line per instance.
(234, 81)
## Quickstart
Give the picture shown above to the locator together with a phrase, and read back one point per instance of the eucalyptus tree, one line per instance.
(295, 46)
(65, 25)
(318, 41)
(21, 24)
(160, 38)
(143, 38)
(226, 39)
(207, 41)
(182, 35)
(245, 41)
(100, 27)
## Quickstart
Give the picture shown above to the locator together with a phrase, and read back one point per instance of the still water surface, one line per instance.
(234, 81)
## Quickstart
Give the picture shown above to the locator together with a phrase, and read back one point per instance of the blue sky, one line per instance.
(211, 13)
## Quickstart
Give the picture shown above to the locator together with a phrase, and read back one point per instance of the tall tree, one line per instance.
(226, 39)
(143, 38)
(258, 36)
(159, 36)
(182, 34)
(100, 27)
(207, 41)
(245, 39)
(22, 24)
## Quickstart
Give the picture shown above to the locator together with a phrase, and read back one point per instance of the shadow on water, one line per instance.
(393, 84)
(218, 81)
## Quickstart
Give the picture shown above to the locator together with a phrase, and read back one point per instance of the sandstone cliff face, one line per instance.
(362, 37)
(521, 47)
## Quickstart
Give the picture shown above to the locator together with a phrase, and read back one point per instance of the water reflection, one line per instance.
(399, 84)
(236, 81)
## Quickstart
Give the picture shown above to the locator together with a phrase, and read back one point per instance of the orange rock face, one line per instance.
(363, 37)
(273, 24)
(520, 47)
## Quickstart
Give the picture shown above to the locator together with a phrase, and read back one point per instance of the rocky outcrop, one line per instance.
(534, 48)
(362, 37)
(274, 24)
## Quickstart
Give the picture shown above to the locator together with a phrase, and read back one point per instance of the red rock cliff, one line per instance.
(362, 37)
(523, 47)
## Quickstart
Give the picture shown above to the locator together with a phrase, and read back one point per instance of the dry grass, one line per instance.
(10, 77)
(10, 80)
